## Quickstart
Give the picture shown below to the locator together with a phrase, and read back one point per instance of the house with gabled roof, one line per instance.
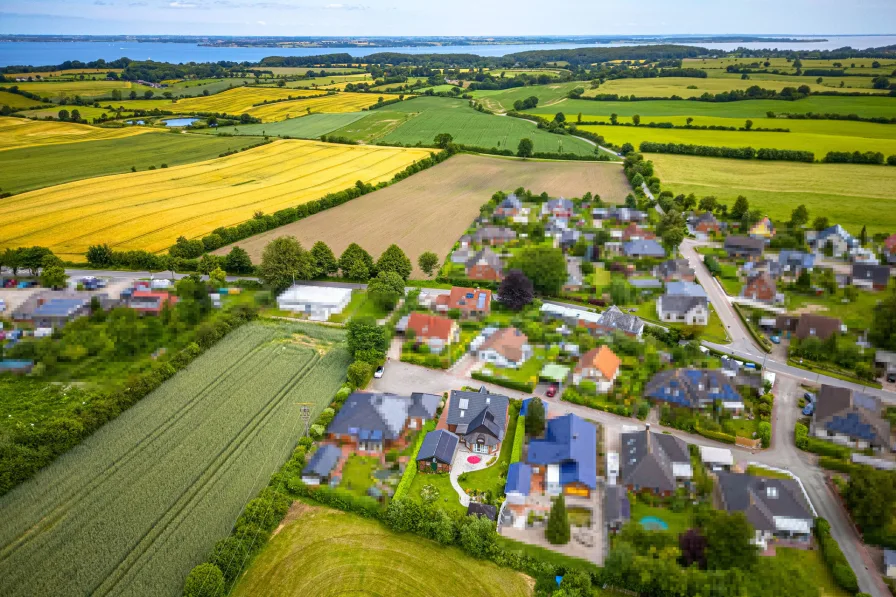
(643, 248)
(618, 214)
(373, 422)
(707, 223)
(558, 208)
(675, 269)
(615, 320)
(321, 464)
(567, 456)
(479, 419)
(485, 264)
(778, 509)
(811, 325)
(635, 232)
(763, 229)
(793, 263)
(654, 462)
(493, 236)
(437, 452)
(599, 365)
(510, 207)
(870, 276)
(836, 237)
(471, 302)
(762, 288)
(505, 347)
(436, 332)
(697, 388)
(851, 418)
(744, 246)
(684, 308)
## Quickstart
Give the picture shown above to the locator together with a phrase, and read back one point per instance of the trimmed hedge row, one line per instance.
(835, 464)
(410, 471)
(717, 435)
(739, 153)
(519, 437)
(574, 397)
(507, 383)
(834, 558)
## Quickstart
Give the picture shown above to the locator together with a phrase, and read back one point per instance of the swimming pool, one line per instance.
(652, 523)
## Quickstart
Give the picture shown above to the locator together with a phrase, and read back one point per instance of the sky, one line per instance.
(442, 17)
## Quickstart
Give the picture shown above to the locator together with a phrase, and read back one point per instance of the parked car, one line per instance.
(891, 377)
(552, 390)
(809, 396)
(775, 339)
(809, 409)
(379, 372)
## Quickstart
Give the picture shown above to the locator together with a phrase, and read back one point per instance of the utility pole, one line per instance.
(305, 415)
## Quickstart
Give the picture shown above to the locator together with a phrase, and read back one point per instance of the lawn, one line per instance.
(359, 306)
(811, 562)
(526, 373)
(503, 99)
(305, 127)
(852, 195)
(357, 473)
(678, 522)
(856, 315)
(579, 517)
(759, 471)
(600, 279)
(492, 478)
(740, 427)
(713, 332)
(448, 498)
(146, 497)
(680, 86)
(326, 553)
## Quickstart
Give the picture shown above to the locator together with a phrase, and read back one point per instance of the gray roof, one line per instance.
(879, 275)
(674, 267)
(439, 444)
(625, 322)
(682, 303)
(646, 459)
(889, 557)
(477, 509)
(617, 508)
(493, 233)
(762, 499)
(323, 461)
(646, 283)
(511, 202)
(853, 414)
(796, 259)
(383, 415)
(747, 243)
(644, 247)
(466, 410)
(423, 405)
(488, 256)
(684, 289)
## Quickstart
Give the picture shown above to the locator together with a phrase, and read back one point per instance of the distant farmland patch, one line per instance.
(16, 101)
(145, 498)
(149, 210)
(86, 88)
(233, 101)
(430, 210)
(852, 195)
(337, 103)
(306, 127)
(20, 132)
(502, 99)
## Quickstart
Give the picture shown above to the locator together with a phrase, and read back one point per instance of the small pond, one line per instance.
(180, 121)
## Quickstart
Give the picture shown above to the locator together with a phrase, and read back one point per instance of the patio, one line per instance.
(461, 464)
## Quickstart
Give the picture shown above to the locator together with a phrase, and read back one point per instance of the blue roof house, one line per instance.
(643, 248)
(694, 388)
(519, 481)
(568, 453)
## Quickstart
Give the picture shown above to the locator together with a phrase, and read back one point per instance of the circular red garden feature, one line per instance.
(474, 459)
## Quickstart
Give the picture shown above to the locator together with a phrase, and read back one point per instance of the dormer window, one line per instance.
(462, 414)
(771, 492)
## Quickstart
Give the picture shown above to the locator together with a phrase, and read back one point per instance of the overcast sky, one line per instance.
(443, 17)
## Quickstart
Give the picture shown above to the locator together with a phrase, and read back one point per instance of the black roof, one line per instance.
(617, 507)
(323, 461)
(439, 444)
(762, 499)
(878, 274)
(476, 509)
(744, 242)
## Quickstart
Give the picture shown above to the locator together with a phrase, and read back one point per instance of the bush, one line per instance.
(801, 436)
(765, 434)
(836, 464)
(717, 435)
(824, 448)
(316, 432)
(407, 478)
(359, 373)
(507, 383)
(205, 580)
(834, 558)
(518, 438)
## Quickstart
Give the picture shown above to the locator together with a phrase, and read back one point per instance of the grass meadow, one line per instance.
(327, 553)
(86, 88)
(694, 87)
(149, 210)
(21, 132)
(311, 126)
(16, 101)
(852, 195)
(24, 169)
(138, 503)
(501, 100)
(87, 112)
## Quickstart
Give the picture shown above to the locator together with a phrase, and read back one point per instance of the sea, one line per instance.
(53, 53)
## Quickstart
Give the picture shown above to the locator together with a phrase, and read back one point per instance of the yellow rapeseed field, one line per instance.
(86, 88)
(232, 101)
(340, 102)
(149, 210)
(20, 132)
(14, 100)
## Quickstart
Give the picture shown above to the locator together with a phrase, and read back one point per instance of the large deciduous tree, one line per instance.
(385, 289)
(323, 260)
(238, 261)
(545, 266)
(367, 341)
(394, 260)
(516, 290)
(284, 260)
(428, 262)
(356, 263)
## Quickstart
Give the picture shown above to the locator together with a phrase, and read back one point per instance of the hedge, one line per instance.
(834, 558)
(518, 439)
(574, 397)
(717, 435)
(824, 448)
(801, 436)
(500, 381)
(410, 470)
(740, 153)
(835, 464)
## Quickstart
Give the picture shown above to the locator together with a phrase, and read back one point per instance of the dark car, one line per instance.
(809, 409)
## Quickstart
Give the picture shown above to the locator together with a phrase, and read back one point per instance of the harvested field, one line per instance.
(149, 210)
(430, 210)
(20, 132)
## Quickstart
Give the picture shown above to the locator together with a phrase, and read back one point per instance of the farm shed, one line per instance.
(317, 302)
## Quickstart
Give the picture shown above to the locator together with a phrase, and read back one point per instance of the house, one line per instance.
(654, 462)
(890, 563)
(697, 388)
(485, 265)
(559, 208)
(479, 419)
(835, 240)
(643, 248)
(645, 285)
(437, 452)
(492, 236)
(613, 320)
(471, 302)
(434, 331)
(674, 269)
(567, 455)
(692, 310)
(793, 263)
(572, 316)
(574, 277)
(373, 422)
(707, 223)
(890, 248)
(763, 229)
(506, 347)
(850, 418)
(744, 246)
(599, 365)
(461, 255)
(885, 360)
(818, 326)
(150, 302)
(776, 508)
(510, 207)
(761, 287)
(318, 303)
(321, 464)
(618, 214)
(868, 276)
(635, 232)
(617, 508)
(518, 484)
(483, 511)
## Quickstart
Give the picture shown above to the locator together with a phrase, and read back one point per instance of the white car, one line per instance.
(379, 372)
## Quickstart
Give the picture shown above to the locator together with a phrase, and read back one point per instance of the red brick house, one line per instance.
(485, 265)
(707, 223)
(760, 288)
(150, 301)
(635, 232)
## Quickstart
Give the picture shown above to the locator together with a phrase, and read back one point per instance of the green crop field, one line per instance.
(330, 80)
(548, 95)
(60, 89)
(326, 553)
(144, 499)
(852, 195)
(694, 87)
(863, 106)
(16, 101)
(419, 120)
(306, 127)
(194, 87)
(27, 168)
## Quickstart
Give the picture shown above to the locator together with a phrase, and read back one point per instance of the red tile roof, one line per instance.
(430, 326)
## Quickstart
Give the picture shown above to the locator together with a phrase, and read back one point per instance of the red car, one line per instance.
(552, 390)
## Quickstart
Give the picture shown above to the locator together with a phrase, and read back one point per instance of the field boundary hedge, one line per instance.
(739, 153)
(834, 559)
(519, 437)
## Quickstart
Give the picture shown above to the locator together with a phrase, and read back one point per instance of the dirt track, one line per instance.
(429, 211)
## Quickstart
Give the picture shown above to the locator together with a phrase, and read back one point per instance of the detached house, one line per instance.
(374, 422)
(321, 465)
(599, 365)
(150, 302)
(471, 302)
(744, 246)
(485, 265)
(873, 277)
(763, 229)
(492, 236)
(434, 331)
(675, 269)
(793, 263)
(506, 347)
(479, 419)
(836, 237)
(696, 388)
(684, 302)
(558, 208)
(566, 457)
(654, 462)
(510, 207)
(643, 248)
(615, 320)
(850, 418)
(890, 248)
(618, 214)
(818, 326)
(635, 232)
(707, 223)
(777, 508)
(761, 288)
